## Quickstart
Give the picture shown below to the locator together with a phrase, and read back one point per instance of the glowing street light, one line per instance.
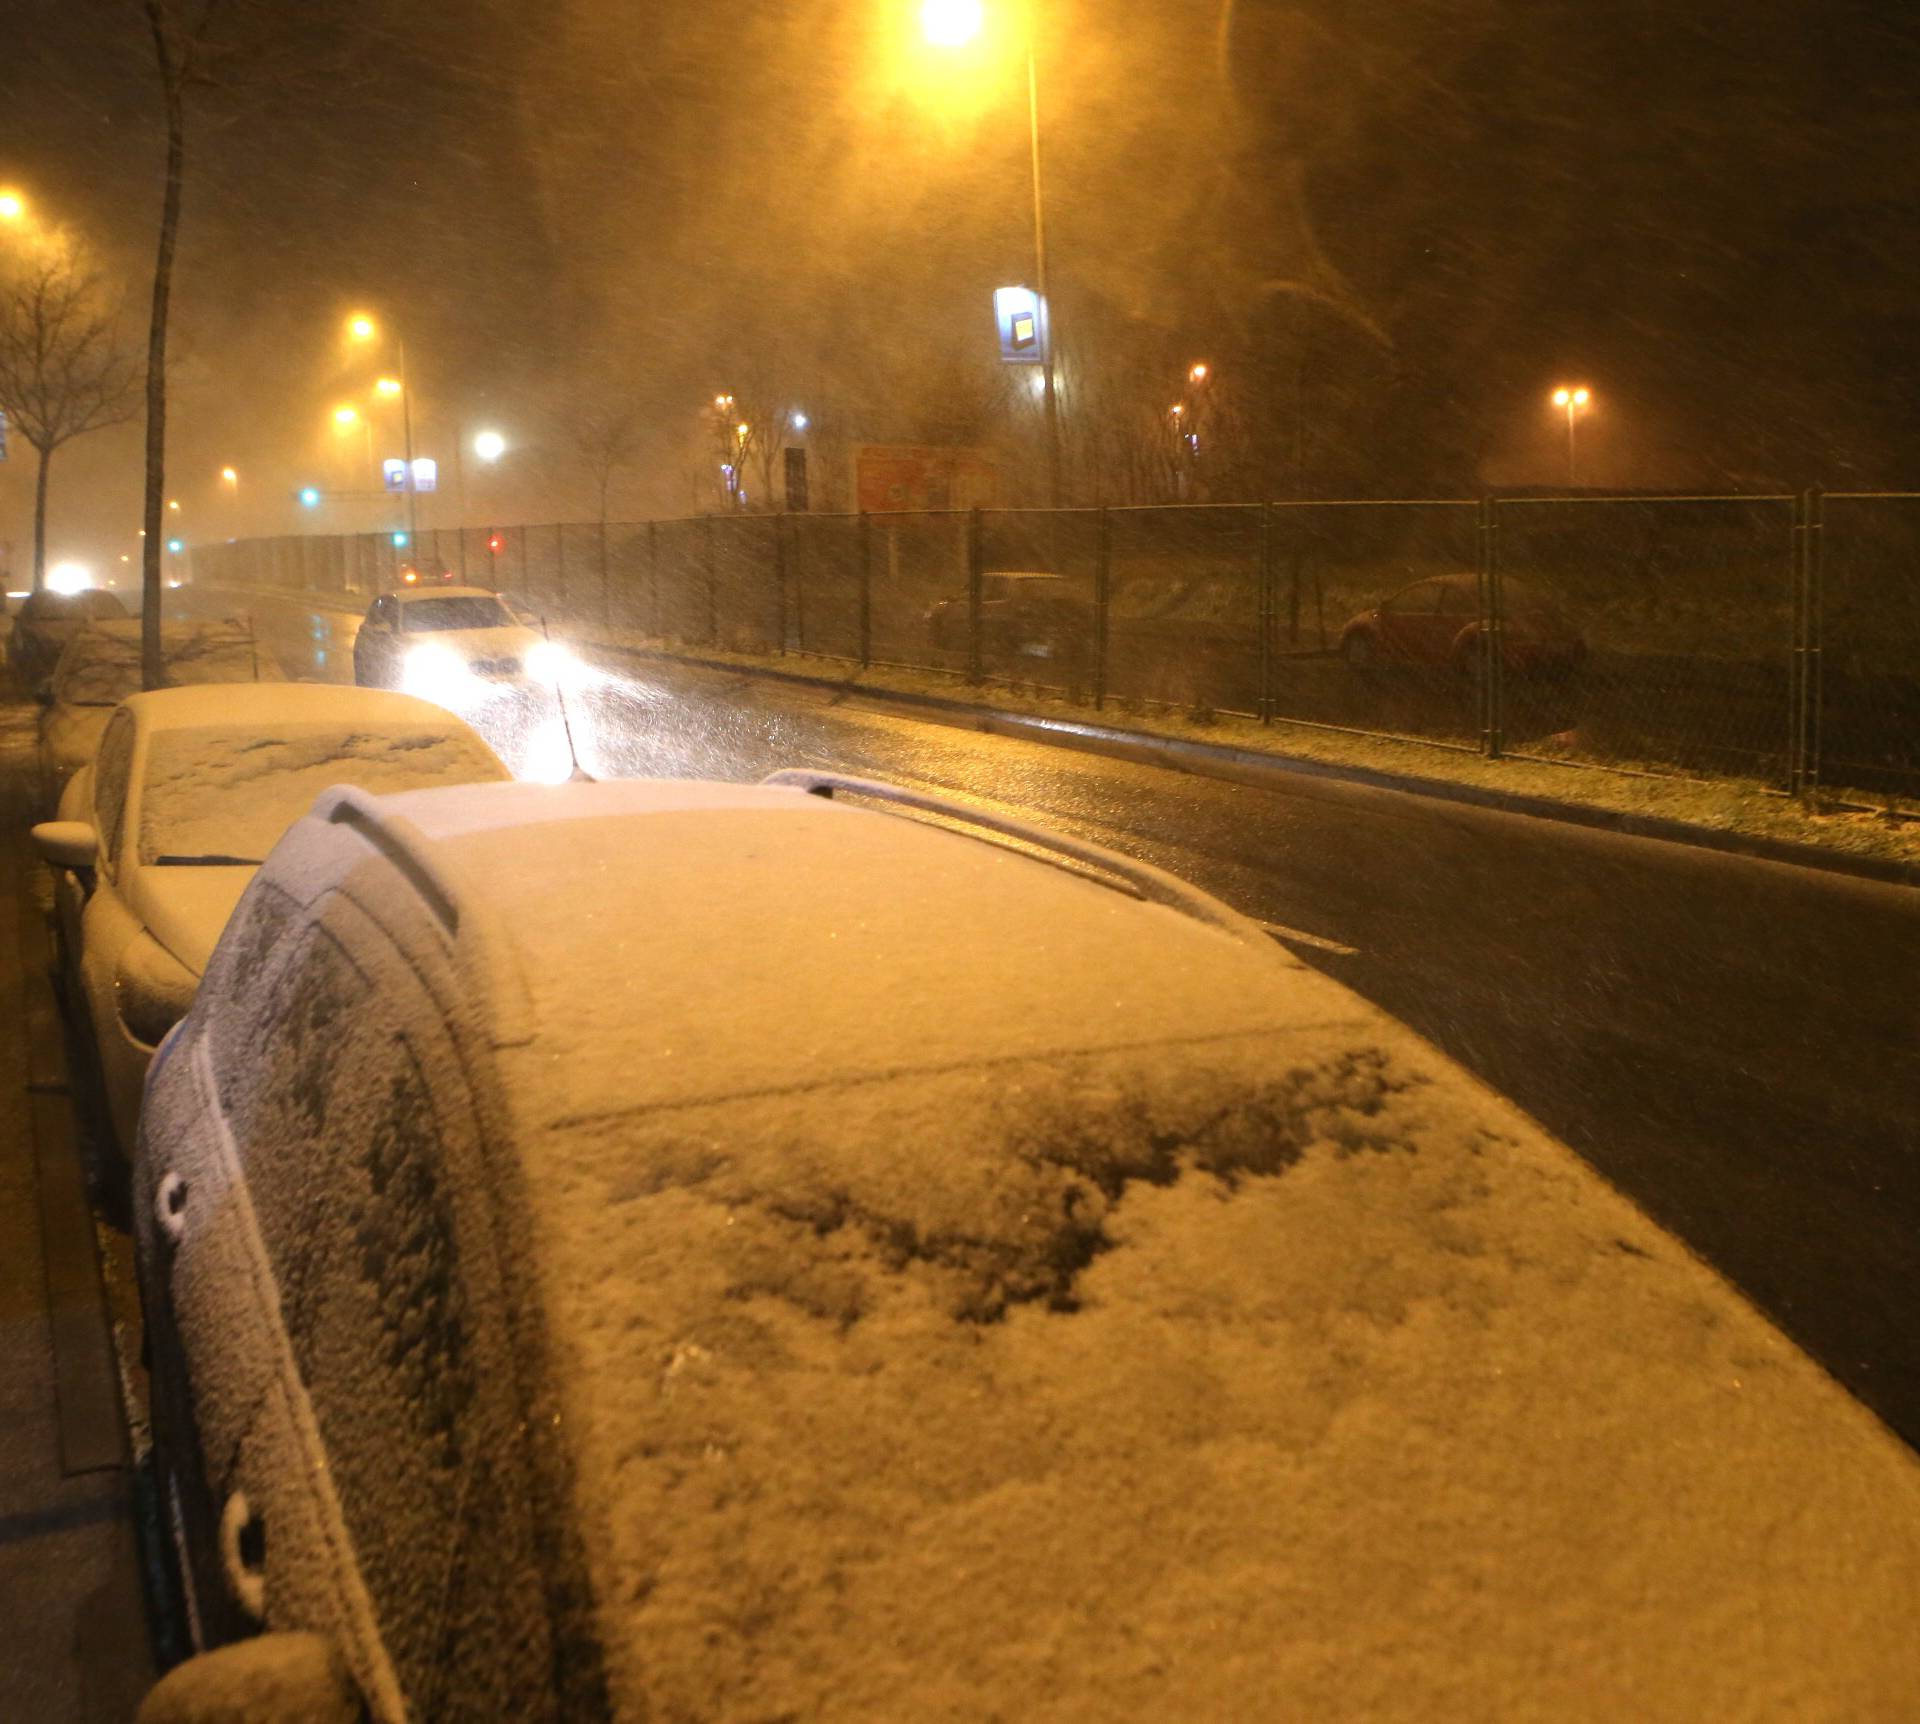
(799, 421)
(12, 206)
(387, 387)
(345, 418)
(361, 328)
(230, 478)
(1198, 374)
(1572, 397)
(309, 497)
(489, 445)
(951, 23)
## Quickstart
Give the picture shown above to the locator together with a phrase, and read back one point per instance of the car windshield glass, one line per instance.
(220, 795)
(429, 616)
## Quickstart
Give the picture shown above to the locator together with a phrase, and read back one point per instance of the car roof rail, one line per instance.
(1110, 868)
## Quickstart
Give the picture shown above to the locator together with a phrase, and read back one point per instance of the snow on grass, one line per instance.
(1855, 823)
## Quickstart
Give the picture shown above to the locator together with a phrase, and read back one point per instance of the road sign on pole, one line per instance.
(1021, 319)
(394, 471)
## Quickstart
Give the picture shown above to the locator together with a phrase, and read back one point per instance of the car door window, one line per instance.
(112, 777)
(356, 1126)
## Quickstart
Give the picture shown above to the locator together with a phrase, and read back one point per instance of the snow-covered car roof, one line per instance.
(684, 939)
(439, 590)
(236, 704)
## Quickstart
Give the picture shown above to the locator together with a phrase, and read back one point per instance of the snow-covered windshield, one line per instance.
(430, 616)
(224, 795)
(102, 666)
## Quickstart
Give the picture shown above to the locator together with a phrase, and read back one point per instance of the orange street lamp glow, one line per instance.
(362, 328)
(346, 417)
(387, 386)
(175, 505)
(951, 23)
(1176, 410)
(12, 206)
(1198, 374)
(1571, 397)
(229, 475)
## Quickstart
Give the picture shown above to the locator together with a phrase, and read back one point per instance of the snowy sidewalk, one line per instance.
(73, 1628)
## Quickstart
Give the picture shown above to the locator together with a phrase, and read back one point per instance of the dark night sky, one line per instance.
(1713, 217)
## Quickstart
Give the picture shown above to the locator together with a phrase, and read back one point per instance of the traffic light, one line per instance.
(310, 498)
(496, 543)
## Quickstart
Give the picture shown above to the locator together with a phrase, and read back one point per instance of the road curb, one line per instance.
(1268, 770)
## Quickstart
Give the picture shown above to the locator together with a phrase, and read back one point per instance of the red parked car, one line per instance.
(1437, 623)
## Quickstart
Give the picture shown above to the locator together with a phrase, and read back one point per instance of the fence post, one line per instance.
(974, 670)
(780, 592)
(1807, 690)
(653, 577)
(606, 592)
(1492, 634)
(706, 558)
(866, 591)
(1102, 608)
(1267, 612)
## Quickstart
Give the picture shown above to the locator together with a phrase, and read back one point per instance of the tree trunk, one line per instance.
(40, 518)
(153, 548)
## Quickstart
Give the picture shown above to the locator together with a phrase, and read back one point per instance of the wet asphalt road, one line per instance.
(1735, 1044)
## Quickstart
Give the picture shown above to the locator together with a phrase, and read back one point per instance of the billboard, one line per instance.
(923, 476)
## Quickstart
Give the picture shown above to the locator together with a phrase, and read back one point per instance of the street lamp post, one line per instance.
(362, 328)
(953, 24)
(1572, 399)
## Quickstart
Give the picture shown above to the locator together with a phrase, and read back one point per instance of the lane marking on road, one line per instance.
(1299, 937)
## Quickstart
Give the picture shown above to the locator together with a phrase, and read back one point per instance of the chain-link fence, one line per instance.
(1768, 637)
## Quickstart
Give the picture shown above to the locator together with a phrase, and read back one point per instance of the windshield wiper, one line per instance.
(214, 860)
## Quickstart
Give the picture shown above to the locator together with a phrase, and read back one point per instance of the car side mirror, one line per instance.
(290, 1678)
(67, 843)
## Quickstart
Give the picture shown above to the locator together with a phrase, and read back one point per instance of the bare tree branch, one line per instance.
(64, 369)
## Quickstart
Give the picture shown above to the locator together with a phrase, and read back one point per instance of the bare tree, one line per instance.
(605, 438)
(64, 370)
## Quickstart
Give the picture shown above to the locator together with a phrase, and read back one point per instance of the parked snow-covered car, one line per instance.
(100, 667)
(190, 789)
(43, 625)
(604, 1257)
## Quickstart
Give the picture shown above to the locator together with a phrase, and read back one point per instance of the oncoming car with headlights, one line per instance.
(460, 647)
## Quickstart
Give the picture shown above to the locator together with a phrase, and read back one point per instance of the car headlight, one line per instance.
(548, 661)
(438, 674)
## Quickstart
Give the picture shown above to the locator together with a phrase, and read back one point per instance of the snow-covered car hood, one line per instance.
(184, 908)
(478, 646)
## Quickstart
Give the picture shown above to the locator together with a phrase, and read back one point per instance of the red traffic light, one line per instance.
(495, 543)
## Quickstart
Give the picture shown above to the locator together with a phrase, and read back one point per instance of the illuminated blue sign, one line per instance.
(1022, 323)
